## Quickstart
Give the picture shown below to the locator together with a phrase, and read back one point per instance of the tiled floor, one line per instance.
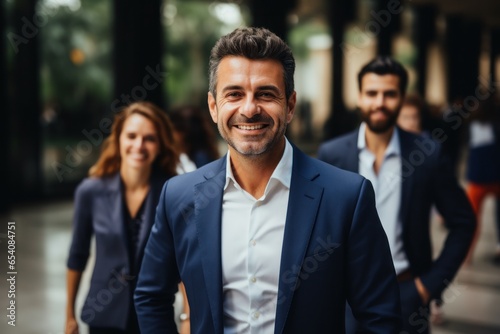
(473, 299)
(42, 241)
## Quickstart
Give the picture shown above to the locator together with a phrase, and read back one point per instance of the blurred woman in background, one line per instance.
(117, 204)
(194, 134)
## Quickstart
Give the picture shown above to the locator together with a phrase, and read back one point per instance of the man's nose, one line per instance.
(379, 100)
(250, 107)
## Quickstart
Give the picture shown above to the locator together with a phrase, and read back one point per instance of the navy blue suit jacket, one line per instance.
(99, 211)
(334, 249)
(428, 179)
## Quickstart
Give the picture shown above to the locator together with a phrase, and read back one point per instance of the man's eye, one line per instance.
(130, 136)
(267, 95)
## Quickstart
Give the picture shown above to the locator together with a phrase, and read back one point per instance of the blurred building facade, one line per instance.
(69, 65)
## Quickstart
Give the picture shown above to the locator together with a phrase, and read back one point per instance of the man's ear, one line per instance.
(212, 106)
(358, 100)
(292, 101)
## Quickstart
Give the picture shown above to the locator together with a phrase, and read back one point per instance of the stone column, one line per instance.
(5, 124)
(272, 15)
(25, 142)
(424, 31)
(463, 42)
(138, 49)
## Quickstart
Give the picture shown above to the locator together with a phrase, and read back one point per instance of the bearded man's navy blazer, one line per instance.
(427, 179)
(334, 249)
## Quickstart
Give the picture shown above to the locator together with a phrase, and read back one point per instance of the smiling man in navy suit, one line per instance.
(409, 174)
(266, 239)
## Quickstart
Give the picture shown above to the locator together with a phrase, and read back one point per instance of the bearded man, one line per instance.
(409, 174)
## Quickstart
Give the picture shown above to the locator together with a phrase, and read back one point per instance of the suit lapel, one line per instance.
(147, 222)
(407, 173)
(156, 184)
(303, 205)
(208, 207)
(114, 197)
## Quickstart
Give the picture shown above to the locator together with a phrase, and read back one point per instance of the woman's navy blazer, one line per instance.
(99, 211)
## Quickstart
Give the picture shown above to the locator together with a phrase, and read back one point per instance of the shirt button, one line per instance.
(256, 315)
(253, 279)
(253, 242)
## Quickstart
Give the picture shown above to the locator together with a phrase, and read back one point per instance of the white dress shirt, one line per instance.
(388, 189)
(252, 238)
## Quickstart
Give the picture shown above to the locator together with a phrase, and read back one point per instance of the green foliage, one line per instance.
(76, 54)
(191, 29)
(76, 46)
(300, 33)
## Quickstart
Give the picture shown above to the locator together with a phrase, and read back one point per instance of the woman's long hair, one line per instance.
(110, 160)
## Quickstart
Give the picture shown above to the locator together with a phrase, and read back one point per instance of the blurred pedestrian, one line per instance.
(195, 134)
(411, 115)
(116, 204)
(483, 165)
(409, 175)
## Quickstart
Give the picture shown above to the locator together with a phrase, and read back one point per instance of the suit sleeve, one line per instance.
(455, 208)
(82, 229)
(158, 277)
(373, 292)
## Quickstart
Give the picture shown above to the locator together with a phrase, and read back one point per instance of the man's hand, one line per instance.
(422, 291)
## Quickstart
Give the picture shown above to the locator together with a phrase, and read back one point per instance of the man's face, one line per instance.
(380, 101)
(409, 119)
(251, 110)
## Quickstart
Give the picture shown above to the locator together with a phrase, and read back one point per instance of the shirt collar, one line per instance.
(282, 173)
(392, 149)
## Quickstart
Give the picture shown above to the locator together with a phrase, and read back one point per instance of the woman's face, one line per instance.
(139, 142)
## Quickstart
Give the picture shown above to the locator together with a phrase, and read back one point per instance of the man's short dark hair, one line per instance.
(382, 65)
(252, 43)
